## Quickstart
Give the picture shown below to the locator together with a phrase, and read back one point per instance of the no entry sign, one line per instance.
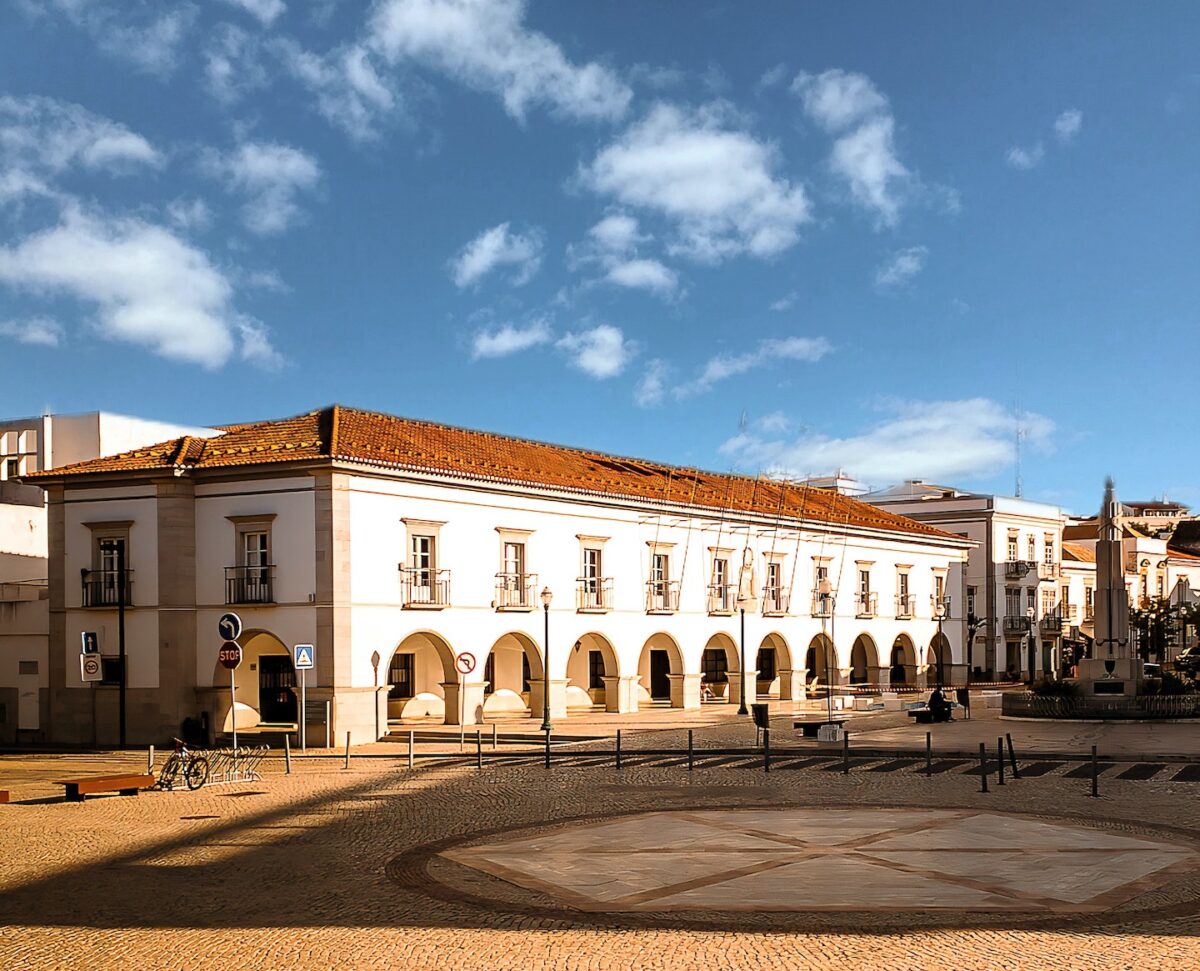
(230, 655)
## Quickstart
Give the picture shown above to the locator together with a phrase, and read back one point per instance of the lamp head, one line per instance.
(547, 596)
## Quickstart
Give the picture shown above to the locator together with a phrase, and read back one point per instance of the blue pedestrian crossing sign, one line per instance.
(303, 657)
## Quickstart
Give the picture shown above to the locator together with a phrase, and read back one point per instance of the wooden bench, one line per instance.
(127, 785)
(809, 726)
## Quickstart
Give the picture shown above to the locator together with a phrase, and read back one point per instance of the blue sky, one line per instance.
(892, 236)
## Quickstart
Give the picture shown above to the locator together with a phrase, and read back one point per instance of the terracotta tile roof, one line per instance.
(1181, 554)
(1079, 552)
(349, 435)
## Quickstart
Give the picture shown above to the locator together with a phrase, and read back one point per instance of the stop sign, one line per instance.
(230, 654)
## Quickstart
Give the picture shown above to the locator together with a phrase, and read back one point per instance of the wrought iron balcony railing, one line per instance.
(822, 604)
(421, 587)
(722, 598)
(662, 596)
(593, 594)
(1016, 569)
(775, 602)
(865, 604)
(905, 605)
(1016, 624)
(250, 584)
(516, 591)
(1051, 623)
(102, 588)
(1048, 571)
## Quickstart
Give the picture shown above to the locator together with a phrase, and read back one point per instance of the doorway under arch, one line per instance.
(773, 662)
(939, 659)
(902, 663)
(419, 667)
(511, 670)
(864, 660)
(659, 659)
(592, 659)
(718, 661)
(820, 662)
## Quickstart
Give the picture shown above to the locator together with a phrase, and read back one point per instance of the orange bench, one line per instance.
(127, 785)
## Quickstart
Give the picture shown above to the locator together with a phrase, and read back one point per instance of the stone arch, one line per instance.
(821, 661)
(512, 674)
(719, 664)
(864, 660)
(938, 660)
(417, 673)
(902, 662)
(776, 676)
(660, 671)
(588, 683)
(265, 692)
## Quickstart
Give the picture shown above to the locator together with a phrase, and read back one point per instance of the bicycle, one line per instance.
(181, 762)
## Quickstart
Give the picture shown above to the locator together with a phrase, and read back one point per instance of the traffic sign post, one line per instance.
(465, 663)
(303, 659)
(89, 667)
(230, 656)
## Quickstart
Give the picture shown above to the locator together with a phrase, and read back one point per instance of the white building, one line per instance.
(1011, 576)
(413, 556)
(29, 445)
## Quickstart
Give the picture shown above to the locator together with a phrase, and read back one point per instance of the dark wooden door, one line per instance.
(660, 667)
(276, 679)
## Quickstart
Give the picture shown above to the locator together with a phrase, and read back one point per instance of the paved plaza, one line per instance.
(586, 866)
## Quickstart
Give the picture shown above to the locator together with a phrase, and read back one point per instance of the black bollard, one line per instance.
(618, 748)
(766, 750)
(1000, 761)
(1095, 775)
(691, 751)
(547, 748)
(1012, 757)
(845, 753)
(479, 748)
(983, 771)
(929, 754)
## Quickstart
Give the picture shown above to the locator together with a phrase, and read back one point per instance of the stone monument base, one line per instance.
(1097, 681)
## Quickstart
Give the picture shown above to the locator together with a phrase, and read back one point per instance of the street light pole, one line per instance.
(742, 709)
(940, 611)
(1029, 614)
(825, 600)
(121, 632)
(547, 596)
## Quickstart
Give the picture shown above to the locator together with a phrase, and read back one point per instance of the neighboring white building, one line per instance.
(414, 555)
(27, 446)
(1010, 585)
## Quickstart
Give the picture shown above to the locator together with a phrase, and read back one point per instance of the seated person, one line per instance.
(938, 706)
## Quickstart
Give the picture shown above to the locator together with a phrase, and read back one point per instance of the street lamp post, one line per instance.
(825, 601)
(742, 709)
(1029, 615)
(547, 596)
(939, 611)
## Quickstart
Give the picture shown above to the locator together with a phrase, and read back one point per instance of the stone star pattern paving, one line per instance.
(814, 860)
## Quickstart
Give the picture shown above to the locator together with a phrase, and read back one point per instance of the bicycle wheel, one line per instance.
(195, 773)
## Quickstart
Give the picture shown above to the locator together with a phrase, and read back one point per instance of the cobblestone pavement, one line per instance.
(336, 868)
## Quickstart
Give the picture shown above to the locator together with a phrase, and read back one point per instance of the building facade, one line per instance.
(414, 557)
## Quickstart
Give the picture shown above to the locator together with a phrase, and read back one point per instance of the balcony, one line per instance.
(1051, 623)
(1017, 569)
(1089, 613)
(865, 604)
(775, 602)
(424, 589)
(102, 588)
(516, 591)
(662, 596)
(1016, 625)
(822, 604)
(1068, 613)
(722, 599)
(905, 606)
(593, 595)
(1048, 571)
(250, 584)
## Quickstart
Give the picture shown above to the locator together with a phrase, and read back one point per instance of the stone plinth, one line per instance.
(621, 694)
(1095, 681)
(685, 690)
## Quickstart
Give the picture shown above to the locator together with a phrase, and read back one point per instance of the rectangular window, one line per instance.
(774, 592)
(595, 670)
(902, 582)
(1089, 602)
(971, 601)
(110, 670)
(1065, 595)
(12, 468)
(1012, 602)
(939, 587)
(423, 560)
(514, 559)
(822, 573)
(27, 667)
(401, 683)
(110, 551)
(592, 566)
(766, 664)
(1031, 546)
(720, 574)
(660, 568)
(1048, 550)
(714, 667)
(1012, 546)
(1030, 597)
(864, 583)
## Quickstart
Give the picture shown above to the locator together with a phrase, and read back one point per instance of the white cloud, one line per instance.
(148, 38)
(1025, 158)
(864, 154)
(486, 45)
(715, 182)
(351, 94)
(899, 268)
(44, 135)
(508, 339)
(643, 274)
(189, 214)
(786, 302)
(1068, 124)
(148, 286)
(233, 63)
(932, 440)
(771, 77)
(498, 247)
(775, 421)
(265, 11)
(652, 385)
(271, 176)
(836, 99)
(38, 331)
(612, 244)
(766, 352)
(602, 351)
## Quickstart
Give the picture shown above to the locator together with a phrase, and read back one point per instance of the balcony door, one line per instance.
(256, 566)
(111, 551)
(592, 573)
(423, 562)
(660, 577)
(513, 582)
